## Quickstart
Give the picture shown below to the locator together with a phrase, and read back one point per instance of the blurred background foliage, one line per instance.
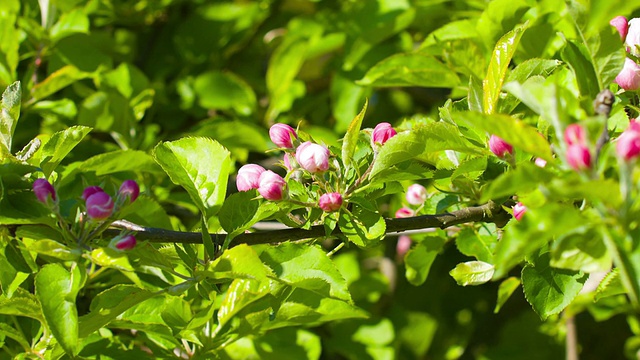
(140, 72)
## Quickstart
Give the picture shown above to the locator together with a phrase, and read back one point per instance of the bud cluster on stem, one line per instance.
(629, 77)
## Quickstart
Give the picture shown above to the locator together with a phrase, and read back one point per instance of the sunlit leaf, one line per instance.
(472, 273)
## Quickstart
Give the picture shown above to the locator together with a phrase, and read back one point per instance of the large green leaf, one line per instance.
(9, 114)
(239, 262)
(410, 70)
(57, 288)
(574, 55)
(57, 81)
(581, 252)
(119, 161)
(201, 166)
(225, 91)
(350, 140)
(526, 177)
(471, 242)
(550, 290)
(72, 22)
(361, 226)
(418, 260)
(22, 303)
(242, 210)
(60, 145)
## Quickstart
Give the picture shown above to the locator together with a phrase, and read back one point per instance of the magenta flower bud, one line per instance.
(416, 194)
(629, 76)
(621, 24)
(632, 39)
(44, 190)
(99, 205)
(130, 189)
(313, 157)
(404, 212)
(330, 202)
(574, 134)
(282, 134)
(518, 211)
(540, 162)
(126, 243)
(403, 245)
(271, 186)
(499, 147)
(249, 177)
(628, 144)
(88, 191)
(286, 159)
(578, 157)
(381, 133)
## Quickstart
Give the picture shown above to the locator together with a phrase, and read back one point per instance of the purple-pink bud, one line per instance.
(99, 205)
(130, 189)
(416, 194)
(404, 212)
(403, 245)
(621, 24)
(282, 134)
(271, 186)
(330, 202)
(88, 191)
(578, 157)
(249, 177)
(44, 190)
(499, 147)
(628, 144)
(286, 159)
(632, 39)
(126, 243)
(382, 133)
(574, 134)
(518, 211)
(313, 157)
(629, 76)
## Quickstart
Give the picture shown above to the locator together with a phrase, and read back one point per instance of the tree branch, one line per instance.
(490, 212)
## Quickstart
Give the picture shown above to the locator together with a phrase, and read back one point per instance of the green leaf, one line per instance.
(532, 67)
(59, 146)
(284, 65)
(242, 210)
(70, 23)
(362, 227)
(239, 262)
(57, 288)
(418, 260)
(109, 304)
(474, 96)
(611, 285)
(471, 243)
(279, 344)
(9, 114)
(57, 81)
(550, 290)
(109, 258)
(53, 249)
(241, 294)
(500, 59)
(602, 11)
(513, 131)
(585, 74)
(307, 267)
(8, 331)
(225, 91)
(201, 166)
(22, 303)
(526, 177)
(120, 161)
(506, 288)
(581, 252)
(350, 140)
(410, 70)
(472, 273)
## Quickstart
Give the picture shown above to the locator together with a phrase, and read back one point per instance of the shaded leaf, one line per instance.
(60, 145)
(350, 139)
(506, 288)
(418, 260)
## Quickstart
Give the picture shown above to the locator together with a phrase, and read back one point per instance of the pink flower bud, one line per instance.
(540, 162)
(579, 157)
(499, 147)
(126, 243)
(518, 211)
(403, 245)
(574, 134)
(99, 205)
(416, 194)
(88, 191)
(621, 24)
(629, 76)
(633, 37)
(330, 202)
(628, 145)
(404, 212)
(286, 159)
(249, 177)
(271, 186)
(381, 133)
(44, 190)
(313, 157)
(130, 189)
(633, 125)
(282, 134)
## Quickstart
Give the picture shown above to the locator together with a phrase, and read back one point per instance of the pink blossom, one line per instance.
(404, 212)
(416, 194)
(499, 147)
(578, 157)
(129, 189)
(330, 202)
(382, 133)
(126, 243)
(403, 245)
(574, 134)
(629, 76)
(99, 205)
(271, 186)
(632, 39)
(44, 190)
(90, 190)
(621, 24)
(249, 177)
(628, 144)
(313, 157)
(282, 134)
(518, 211)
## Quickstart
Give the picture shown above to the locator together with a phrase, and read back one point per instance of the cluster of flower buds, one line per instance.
(629, 76)
(628, 144)
(500, 147)
(578, 154)
(416, 195)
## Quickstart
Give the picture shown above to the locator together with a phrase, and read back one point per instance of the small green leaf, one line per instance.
(201, 166)
(241, 293)
(410, 70)
(225, 91)
(506, 288)
(22, 303)
(239, 262)
(351, 137)
(54, 249)
(59, 146)
(611, 285)
(472, 273)
(471, 243)
(585, 74)
(550, 290)
(70, 23)
(526, 177)
(9, 114)
(580, 252)
(107, 257)
(119, 161)
(57, 81)
(418, 260)
(8, 331)
(242, 210)
(362, 227)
